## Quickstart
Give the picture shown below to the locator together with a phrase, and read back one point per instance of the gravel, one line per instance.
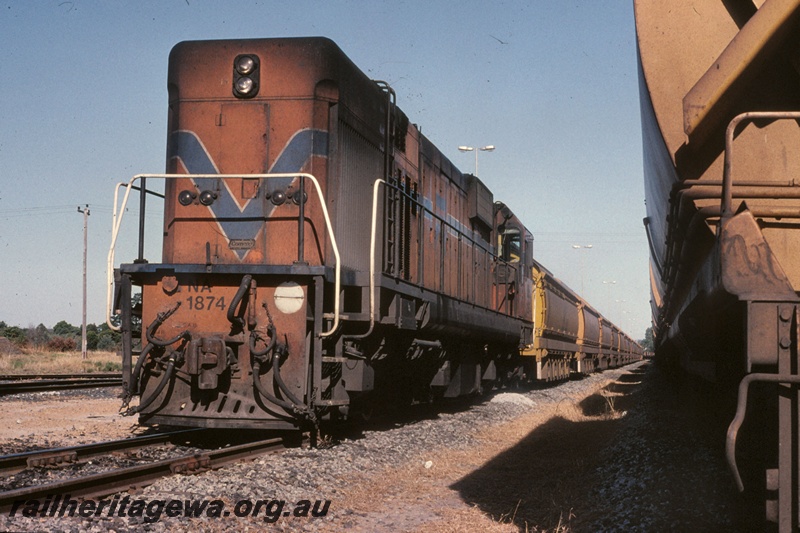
(47, 474)
(666, 470)
(659, 473)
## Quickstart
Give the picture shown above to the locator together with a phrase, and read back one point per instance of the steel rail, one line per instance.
(98, 375)
(117, 480)
(13, 463)
(46, 385)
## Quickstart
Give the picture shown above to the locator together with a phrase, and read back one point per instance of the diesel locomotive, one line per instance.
(322, 258)
(720, 109)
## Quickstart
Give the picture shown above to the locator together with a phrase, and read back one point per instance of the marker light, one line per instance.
(186, 197)
(296, 197)
(207, 197)
(278, 198)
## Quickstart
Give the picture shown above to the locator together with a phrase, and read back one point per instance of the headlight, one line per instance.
(246, 75)
(245, 65)
(244, 85)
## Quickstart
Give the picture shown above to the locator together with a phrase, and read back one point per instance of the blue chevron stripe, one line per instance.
(244, 222)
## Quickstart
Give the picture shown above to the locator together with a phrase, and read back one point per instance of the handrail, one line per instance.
(727, 185)
(741, 411)
(443, 222)
(120, 209)
(670, 270)
(372, 244)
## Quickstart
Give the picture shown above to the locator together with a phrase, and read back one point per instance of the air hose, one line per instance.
(137, 370)
(160, 318)
(276, 351)
(280, 351)
(289, 407)
(145, 402)
(153, 341)
(254, 336)
(237, 299)
(135, 385)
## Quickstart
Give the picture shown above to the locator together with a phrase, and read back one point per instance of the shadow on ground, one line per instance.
(539, 482)
(661, 467)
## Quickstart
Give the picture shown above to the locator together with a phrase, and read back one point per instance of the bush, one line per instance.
(15, 335)
(92, 338)
(107, 366)
(62, 344)
(107, 343)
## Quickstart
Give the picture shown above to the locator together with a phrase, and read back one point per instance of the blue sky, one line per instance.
(553, 85)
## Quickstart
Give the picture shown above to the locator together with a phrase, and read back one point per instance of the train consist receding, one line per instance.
(322, 258)
(720, 109)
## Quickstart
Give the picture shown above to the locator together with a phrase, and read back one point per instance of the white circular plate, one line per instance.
(289, 297)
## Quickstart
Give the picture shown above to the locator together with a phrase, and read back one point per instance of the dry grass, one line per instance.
(41, 362)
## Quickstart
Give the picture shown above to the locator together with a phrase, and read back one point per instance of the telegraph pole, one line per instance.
(85, 212)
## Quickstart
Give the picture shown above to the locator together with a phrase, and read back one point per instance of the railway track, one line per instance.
(120, 479)
(19, 383)
(13, 463)
(28, 377)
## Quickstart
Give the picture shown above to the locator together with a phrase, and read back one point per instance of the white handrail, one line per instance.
(117, 222)
(372, 242)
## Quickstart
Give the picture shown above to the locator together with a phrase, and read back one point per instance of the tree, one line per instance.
(92, 337)
(648, 343)
(136, 320)
(107, 338)
(38, 336)
(65, 329)
(15, 334)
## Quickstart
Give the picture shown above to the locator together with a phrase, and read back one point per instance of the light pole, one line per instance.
(581, 247)
(609, 284)
(626, 319)
(85, 213)
(487, 148)
(617, 308)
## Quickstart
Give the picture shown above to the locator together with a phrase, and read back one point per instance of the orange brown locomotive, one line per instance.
(320, 256)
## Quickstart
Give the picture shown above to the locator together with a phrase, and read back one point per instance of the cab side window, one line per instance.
(511, 245)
